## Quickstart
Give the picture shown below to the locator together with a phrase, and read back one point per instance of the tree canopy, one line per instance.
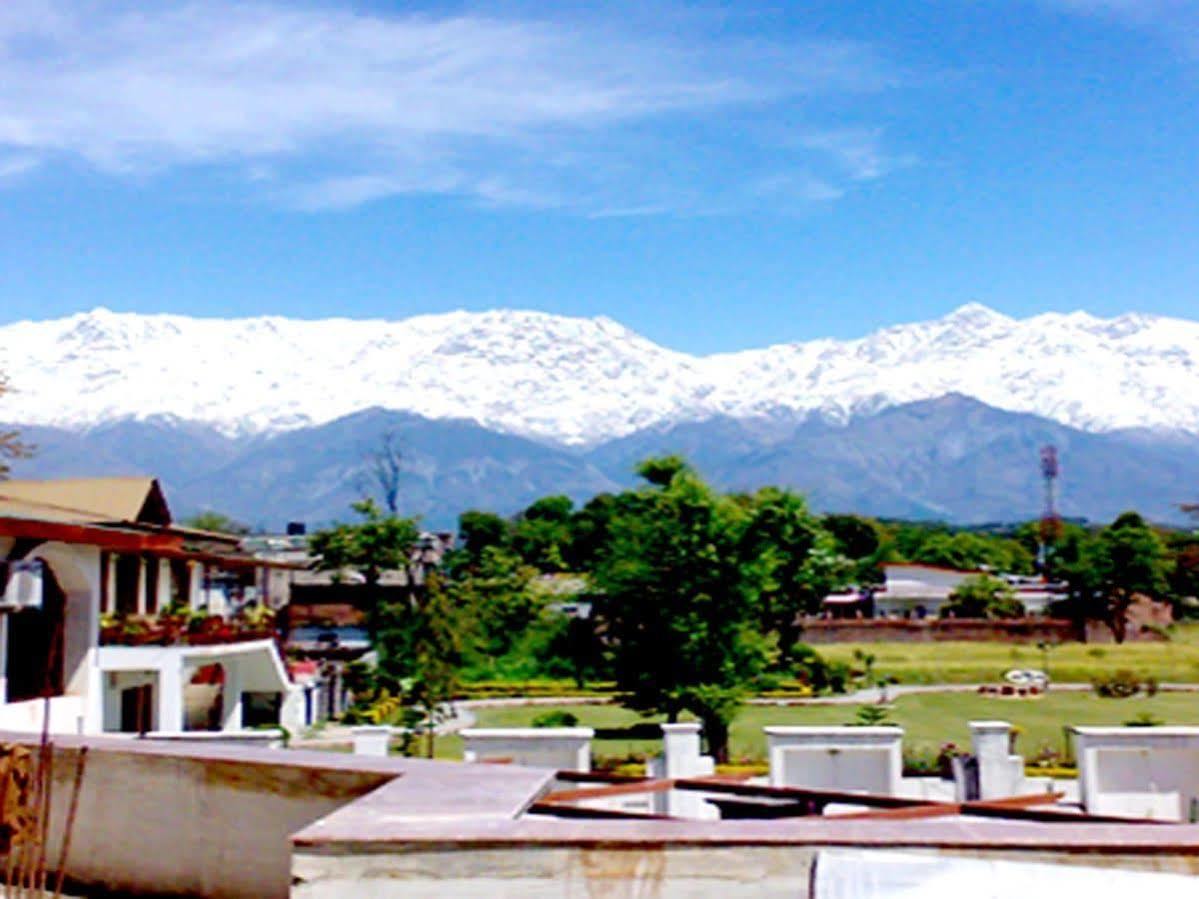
(681, 597)
(983, 596)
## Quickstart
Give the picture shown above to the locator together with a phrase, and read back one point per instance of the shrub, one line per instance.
(871, 716)
(556, 718)
(1144, 719)
(1119, 684)
(921, 763)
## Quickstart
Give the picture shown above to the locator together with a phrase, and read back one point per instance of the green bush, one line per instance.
(1144, 719)
(871, 716)
(556, 718)
(1120, 684)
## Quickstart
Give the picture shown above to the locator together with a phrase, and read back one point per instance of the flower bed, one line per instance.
(183, 630)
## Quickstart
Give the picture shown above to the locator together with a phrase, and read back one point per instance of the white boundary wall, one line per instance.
(853, 759)
(1138, 772)
(556, 748)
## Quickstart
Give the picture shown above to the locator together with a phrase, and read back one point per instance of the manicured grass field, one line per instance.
(928, 720)
(1175, 661)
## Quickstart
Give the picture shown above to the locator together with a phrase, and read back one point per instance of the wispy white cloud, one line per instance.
(12, 166)
(1174, 21)
(341, 108)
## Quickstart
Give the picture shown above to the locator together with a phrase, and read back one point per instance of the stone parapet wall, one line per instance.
(822, 631)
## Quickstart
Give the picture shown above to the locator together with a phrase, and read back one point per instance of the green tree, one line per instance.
(682, 600)
(541, 535)
(498, 596)
(857, 538)
(798, 559)
(983, 596)
(216, 523)
(478, 530)
(420, 650)
(1129, 558)
(378, 543)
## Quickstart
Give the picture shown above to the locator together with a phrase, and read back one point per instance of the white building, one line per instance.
(171, 655)
(921, 590)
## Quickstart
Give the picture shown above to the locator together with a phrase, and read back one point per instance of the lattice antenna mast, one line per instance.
(1051, 522)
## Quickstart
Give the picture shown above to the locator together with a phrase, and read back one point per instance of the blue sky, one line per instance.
(714, 176)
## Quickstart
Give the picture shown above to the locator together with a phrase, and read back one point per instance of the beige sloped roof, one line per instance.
(86, 499)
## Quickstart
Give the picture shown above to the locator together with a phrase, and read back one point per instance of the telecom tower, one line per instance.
(1051, 522)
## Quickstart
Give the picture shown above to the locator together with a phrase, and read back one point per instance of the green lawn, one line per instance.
(967, 663)
(928, 720)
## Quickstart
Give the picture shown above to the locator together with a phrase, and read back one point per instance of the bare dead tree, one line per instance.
(385, 470)
(10, 443)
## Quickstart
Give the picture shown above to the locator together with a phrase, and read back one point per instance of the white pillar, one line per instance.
(110, 580)
(141, 585)
(231, 696)
(371, 739)
(680, 760)
(1000, 773)
(195, 583)
(170, 693)
(3, 658)
(162, 590)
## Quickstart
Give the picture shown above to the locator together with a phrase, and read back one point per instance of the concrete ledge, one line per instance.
(555, 748)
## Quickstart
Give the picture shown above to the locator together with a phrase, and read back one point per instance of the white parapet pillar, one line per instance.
(848, 759)
(1000, 773)
(681, 759)
(556, 748)
(371, 739)
(170, 693)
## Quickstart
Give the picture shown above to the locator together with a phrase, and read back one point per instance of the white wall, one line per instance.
(556, 748)
(853, 759)
(1138, 771)
(177, 819)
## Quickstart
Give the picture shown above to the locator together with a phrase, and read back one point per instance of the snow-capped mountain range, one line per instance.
(578, 381)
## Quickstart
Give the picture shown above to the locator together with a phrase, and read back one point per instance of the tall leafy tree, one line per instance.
(1129, 559)
(420, 655)
(682, 601)
(378, 543)
(478, 531)
(798, 560)
(541, 535)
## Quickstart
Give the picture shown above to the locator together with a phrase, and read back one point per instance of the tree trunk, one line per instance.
(1118, 620)
(716, 729)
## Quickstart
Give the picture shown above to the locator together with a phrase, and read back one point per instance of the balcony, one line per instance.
(187, 629)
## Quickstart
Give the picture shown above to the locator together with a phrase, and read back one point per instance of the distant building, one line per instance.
(917, 591)
(324, 617)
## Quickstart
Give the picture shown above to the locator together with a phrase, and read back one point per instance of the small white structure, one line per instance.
(372, 740)
(1000, 773)
(849, 759)
(556, 748)
(1139, 772)
(249, 668)
(681, 759)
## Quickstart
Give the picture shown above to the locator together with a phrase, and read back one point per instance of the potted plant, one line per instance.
(111, 628)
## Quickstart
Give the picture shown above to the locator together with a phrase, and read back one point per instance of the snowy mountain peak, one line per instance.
(585, 380)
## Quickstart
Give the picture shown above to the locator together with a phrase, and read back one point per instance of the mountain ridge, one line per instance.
(586, 381)
(952, 458)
